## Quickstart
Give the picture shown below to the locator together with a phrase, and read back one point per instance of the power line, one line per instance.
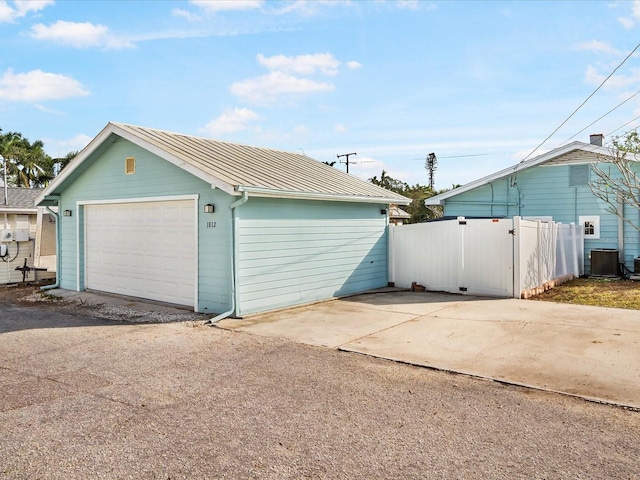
(347, 161)
(630, 121)
(601, 117)
(582, 104)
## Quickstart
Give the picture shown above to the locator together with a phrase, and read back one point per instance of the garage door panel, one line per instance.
(142, 249)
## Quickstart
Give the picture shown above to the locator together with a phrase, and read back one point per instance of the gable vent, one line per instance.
(130, 165)
(578, 175)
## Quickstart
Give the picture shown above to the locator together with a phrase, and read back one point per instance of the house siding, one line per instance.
(545, 191)
(105, 179)
(20, 251)
(292, 252)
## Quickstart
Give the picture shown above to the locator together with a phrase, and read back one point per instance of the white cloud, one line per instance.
(179, 12)
(79, 35)
(309, 8)
(210, 6)
(596, 46)
(615, 82)
(59, 148)
(340, 128)
(230, 121)
(352, 65)
(303, 64)
(635, 15)
(365, 167)
(626, 22)
(268, 87)
(37, 86)
(20, 9)
(408, 4)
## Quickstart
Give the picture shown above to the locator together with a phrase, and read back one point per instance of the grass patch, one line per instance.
(600, 292)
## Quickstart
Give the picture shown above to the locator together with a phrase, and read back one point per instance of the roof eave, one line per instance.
(518, 167)
(19, 211)
(331, 197)
(178, 162)
(106, 132)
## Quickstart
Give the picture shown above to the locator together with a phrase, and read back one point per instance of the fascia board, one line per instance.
(596, 150)
(266, 192)
(19, 211)
(178, 162)
(75, 163)
(115, 129)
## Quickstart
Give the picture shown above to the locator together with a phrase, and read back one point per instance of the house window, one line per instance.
(579, 175)
(591, 225)
(130, 165)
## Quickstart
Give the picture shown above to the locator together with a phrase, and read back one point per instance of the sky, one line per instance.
(479, 83)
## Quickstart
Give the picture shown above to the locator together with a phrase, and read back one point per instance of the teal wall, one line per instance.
(289, 251)
(102, 178)
(293, 251)
(545, 191)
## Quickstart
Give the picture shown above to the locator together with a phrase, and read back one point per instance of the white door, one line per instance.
(145, 250)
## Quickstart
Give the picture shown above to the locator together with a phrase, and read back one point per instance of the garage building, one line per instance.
(225, 228)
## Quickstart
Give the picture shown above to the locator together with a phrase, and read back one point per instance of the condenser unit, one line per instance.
(604, 261)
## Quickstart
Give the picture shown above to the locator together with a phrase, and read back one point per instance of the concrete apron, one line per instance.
(589, 352)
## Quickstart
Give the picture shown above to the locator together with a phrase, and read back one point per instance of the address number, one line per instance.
(211, 224)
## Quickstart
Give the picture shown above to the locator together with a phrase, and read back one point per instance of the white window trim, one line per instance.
(582, 219)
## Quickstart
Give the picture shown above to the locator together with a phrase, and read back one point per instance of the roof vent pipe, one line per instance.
(596, 139)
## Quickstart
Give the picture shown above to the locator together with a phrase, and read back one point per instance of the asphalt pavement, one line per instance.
(86, 397)
(589, 352)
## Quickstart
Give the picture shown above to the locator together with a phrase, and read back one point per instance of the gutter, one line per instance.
(58, 238)
(232, 255)
(270, 192)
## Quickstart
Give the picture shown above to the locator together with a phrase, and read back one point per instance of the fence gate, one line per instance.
(486, 259)
(496, 257)
(472, 256)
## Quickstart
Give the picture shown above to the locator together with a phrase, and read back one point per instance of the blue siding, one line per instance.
(545, 191)
(292, 252)
(103, 178)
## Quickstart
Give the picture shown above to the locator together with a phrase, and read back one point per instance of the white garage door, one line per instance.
(145, 250)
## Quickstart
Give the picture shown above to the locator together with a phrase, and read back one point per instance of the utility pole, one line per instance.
(4, 180)
(347, 160)
(430, 164)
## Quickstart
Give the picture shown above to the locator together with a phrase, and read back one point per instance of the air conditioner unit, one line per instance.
(636, 266)
(6, 235)
(604, 261)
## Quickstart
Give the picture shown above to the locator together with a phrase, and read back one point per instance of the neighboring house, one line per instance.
(217, 226)
(397, 216)
(19, 220)
(553, 186)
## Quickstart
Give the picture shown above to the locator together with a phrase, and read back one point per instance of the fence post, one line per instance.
(574, 256)
(517, 278)
(563, 254)
(391, 256)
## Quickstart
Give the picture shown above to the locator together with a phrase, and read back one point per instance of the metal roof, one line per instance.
(19, 199)
(561, 155)
(236, 168)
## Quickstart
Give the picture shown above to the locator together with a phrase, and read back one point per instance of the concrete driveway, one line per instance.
(588, 352)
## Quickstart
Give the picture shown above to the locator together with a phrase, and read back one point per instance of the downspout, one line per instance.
(232, 256)
(621, 255)
(58, 255)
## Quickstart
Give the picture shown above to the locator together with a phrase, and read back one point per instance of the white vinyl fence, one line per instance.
(496, 257)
